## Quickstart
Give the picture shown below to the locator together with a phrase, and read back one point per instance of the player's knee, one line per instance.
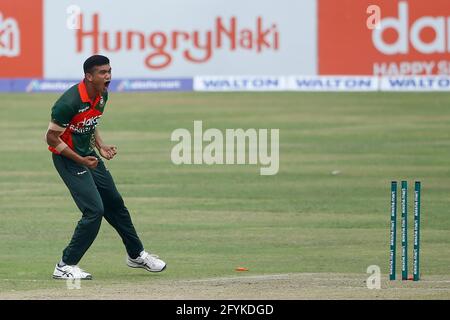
(96, 212)
(116, 201)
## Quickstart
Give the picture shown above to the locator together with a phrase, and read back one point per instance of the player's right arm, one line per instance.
(62, 113)
(53, 139)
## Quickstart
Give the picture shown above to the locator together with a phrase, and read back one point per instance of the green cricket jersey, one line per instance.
(79, 115)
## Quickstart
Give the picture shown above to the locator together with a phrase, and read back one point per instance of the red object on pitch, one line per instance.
(241, 269)
(410, 278)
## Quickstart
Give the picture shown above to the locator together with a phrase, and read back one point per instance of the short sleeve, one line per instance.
(62, 113)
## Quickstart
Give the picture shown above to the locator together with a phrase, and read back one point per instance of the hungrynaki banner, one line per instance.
(178, 38)
(21, 38)
(384, 37)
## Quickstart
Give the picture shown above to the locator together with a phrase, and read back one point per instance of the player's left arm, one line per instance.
(106, 151)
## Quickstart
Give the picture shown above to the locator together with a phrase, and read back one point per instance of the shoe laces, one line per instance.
(147, 256)
(78, 269)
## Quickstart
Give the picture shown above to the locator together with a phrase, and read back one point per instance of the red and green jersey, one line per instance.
(79, 115)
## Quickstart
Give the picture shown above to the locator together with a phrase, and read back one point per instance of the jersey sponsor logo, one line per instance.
(84, 109)
(86, 125)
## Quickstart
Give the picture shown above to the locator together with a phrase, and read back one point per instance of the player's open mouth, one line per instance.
(107, 84)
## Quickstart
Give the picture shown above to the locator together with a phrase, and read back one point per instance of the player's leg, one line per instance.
(115, 211)
(81, 185)
(117, 214)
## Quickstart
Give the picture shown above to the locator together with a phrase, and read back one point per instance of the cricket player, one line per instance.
(72, 137)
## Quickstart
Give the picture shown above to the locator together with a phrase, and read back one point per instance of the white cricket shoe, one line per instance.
(149, 262)
(70, 272)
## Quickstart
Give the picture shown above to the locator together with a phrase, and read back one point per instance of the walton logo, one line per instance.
(196, 46)
(9, 37)
(440, 26)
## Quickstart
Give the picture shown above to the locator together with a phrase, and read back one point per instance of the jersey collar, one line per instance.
(84, 95)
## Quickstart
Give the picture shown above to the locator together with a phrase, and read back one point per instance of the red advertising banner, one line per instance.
(384, 37)
(21, 38)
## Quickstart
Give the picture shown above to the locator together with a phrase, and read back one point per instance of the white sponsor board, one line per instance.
(287, 83)
(333, 83)
(415, 83)
(239, 83)
(178, 38)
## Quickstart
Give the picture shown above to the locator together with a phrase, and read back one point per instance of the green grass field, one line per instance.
(205, 221)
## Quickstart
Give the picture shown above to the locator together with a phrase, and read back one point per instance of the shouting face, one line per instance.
(100, 77)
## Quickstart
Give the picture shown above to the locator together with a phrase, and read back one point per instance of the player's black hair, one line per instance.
(94, 61)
